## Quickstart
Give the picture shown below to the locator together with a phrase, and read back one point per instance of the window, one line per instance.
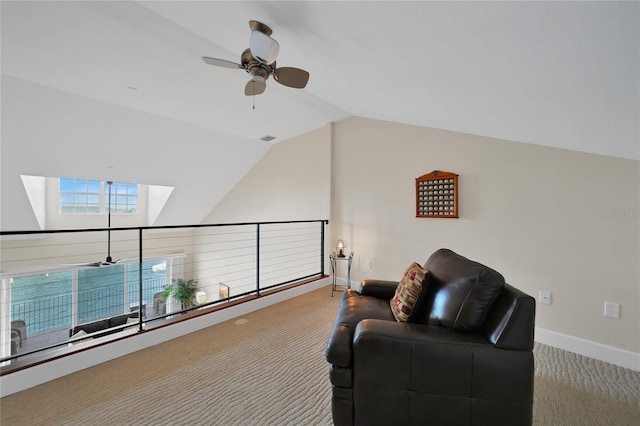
(124, 197)
(79, 196)
(83, 196)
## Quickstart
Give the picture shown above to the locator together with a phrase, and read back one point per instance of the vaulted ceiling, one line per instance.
(128, 77)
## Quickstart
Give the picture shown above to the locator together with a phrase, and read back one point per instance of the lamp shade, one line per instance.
(340, 246)
(263, 48)
(201, 297)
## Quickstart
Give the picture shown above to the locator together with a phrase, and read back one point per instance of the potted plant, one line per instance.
(183, 291)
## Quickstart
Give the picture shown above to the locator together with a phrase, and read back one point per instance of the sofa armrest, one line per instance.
(15, 337)
(354, 307)
(382, 289)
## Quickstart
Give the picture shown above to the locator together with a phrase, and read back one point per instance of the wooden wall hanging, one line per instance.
(437, 195)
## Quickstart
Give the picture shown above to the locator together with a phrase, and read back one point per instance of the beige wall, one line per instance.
(291, 182)
(547, 219)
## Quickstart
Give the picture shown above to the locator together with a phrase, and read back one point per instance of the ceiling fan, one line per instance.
(259, 61)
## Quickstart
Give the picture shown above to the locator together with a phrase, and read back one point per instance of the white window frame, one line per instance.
(118, 198)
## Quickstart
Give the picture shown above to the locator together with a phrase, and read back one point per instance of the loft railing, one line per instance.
(54, 281)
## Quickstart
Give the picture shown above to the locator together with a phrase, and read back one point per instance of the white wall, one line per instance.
(546, 218)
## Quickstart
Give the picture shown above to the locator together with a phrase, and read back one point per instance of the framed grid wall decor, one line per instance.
(437, 195)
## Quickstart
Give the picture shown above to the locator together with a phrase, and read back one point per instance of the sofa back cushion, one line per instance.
(90, 327)
(121, 319)
(460, 293)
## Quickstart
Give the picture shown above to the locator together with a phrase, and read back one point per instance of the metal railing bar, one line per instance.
(132, 228)
(258, 259)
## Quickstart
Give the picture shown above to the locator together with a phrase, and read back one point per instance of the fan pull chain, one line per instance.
(254, 94)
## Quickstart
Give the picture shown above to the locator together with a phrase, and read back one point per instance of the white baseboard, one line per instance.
(610, 354)
(342, 282)
(38, 374)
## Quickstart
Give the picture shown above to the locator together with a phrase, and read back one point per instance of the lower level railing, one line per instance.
(52, 312)
(55, 281)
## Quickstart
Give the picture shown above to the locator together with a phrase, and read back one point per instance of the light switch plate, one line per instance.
(545, 297)
(611, 309)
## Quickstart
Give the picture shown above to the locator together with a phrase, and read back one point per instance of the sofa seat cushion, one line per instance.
(77, 336)
(354, 307)
(461, 291)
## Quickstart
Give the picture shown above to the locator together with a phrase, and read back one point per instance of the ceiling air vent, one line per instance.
(267, 138)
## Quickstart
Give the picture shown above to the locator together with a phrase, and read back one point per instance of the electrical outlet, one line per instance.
(545, 297)
(611, 309)
(367, 264)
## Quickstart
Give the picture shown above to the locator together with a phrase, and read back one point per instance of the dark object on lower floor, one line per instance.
(18, 335)
(105, 324)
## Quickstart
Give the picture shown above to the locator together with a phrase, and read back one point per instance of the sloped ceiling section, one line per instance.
(118, 90)
(66, 135)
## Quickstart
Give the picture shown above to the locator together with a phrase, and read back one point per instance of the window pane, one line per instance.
(100, 292)
(42, 301)
(66, 185)
(81, 185)
(94, 186)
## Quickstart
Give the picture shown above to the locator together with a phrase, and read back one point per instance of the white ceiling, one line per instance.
(563, 74)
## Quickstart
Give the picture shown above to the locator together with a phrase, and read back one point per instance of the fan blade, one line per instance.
(259, 26)
(292, 77)
(254, 87)
(93, 264)
(221, 62)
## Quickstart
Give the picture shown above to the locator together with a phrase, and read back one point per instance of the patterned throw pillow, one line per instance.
(408, 291)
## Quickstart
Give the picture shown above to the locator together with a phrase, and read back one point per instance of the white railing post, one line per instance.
(74, 298)
(5, 318)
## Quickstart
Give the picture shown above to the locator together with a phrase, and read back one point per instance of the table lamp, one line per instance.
(340, 246)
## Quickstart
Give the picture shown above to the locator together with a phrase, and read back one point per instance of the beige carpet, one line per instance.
(268, 368)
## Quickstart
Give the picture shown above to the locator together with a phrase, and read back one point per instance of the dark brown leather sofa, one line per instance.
(464, 359)
(106, 324)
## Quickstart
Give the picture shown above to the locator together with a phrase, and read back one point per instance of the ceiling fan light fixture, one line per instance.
(263, 48)
(258, 73)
